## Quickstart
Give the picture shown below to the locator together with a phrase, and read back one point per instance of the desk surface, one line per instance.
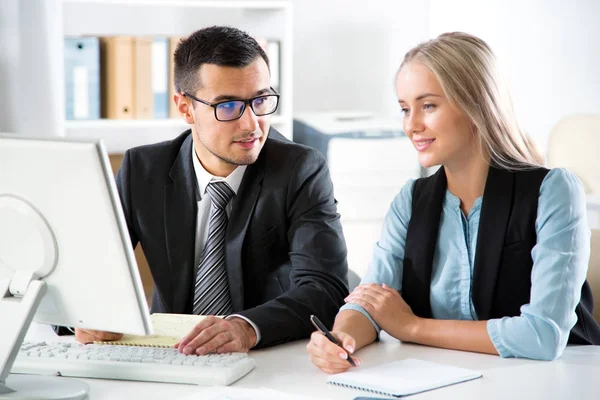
(576, 375)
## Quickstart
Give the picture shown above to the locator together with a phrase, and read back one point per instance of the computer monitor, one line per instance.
(65, 253)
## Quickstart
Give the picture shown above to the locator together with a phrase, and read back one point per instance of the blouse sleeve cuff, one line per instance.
(356, 307)
(493, 330)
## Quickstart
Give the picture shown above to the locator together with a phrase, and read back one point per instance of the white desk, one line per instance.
(287, 368)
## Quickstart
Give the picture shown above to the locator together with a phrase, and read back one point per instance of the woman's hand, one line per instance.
(329, 357)
(387, 308)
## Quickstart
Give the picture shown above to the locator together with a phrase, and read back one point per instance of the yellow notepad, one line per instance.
(168, 330)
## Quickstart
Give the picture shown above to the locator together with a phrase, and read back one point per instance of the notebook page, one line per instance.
(168, 329)
(404, 377)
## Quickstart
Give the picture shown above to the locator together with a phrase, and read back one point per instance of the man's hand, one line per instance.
(218, 335)
(86, 336)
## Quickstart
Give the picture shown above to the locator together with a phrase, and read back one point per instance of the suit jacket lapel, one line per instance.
(243, 205)
(493, 223)
(180, 228)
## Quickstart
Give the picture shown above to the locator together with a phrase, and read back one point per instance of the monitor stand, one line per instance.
(20, 296)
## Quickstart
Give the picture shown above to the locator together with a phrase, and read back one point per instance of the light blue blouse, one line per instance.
(560, 261)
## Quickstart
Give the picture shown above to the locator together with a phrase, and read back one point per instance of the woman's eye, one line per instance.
(429, 106)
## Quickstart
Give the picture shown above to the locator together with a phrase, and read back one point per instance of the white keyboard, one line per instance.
(130, 363)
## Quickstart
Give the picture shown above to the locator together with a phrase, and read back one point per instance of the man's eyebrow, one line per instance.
(421, 97)
(225, 97)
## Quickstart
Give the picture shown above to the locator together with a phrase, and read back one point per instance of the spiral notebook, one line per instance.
(402, 378)
(168, 330)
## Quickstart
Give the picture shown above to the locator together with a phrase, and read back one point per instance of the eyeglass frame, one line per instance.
(246, 103)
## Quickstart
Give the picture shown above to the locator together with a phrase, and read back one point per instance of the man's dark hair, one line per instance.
(218, 45)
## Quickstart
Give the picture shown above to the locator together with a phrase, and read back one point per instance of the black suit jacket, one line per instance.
(285, 250)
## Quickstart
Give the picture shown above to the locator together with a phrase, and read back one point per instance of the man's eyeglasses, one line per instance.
(229, 110)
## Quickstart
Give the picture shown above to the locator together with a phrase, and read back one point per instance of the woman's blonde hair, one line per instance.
(466, 69)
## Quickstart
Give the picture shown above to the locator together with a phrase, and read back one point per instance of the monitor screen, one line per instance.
(61, 218)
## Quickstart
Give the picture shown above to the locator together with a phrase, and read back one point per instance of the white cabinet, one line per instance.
(369, 159)
(271, 20)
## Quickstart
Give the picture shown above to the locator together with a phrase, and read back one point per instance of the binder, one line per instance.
(143, 96)
(82, 78)
(117, 77)
(160, 76)
(173, 111)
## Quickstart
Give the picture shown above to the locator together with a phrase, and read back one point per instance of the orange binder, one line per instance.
(143, 97)
(173, 111)
(117, 77)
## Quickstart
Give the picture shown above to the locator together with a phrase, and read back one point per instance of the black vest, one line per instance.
(503, 263)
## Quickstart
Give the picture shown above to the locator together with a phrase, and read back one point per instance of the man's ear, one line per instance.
(184, 108)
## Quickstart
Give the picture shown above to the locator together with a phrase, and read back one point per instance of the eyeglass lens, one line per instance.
(263, 105)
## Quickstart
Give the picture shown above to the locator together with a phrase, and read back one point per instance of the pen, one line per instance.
(319, 325)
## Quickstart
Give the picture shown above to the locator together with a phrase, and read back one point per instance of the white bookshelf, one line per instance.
(266, 19)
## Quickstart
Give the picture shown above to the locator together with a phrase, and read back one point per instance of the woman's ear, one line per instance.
(474, 130)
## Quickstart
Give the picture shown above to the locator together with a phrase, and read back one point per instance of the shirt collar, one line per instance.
(234, 179)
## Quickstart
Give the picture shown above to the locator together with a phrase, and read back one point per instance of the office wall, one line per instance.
(549, 50)
(346, 51)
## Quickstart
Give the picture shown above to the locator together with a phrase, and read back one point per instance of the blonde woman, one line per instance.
(490, 253)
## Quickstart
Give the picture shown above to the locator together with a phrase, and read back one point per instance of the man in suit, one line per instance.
(234, 219)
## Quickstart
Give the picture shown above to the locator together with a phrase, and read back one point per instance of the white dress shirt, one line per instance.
(204, 178)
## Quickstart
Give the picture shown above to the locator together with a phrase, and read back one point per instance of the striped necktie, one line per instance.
(211, 292)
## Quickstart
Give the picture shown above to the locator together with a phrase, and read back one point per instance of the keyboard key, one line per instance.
(131, 363)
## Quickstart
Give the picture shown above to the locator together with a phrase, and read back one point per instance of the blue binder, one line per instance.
(82, 78)
(160, 76)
